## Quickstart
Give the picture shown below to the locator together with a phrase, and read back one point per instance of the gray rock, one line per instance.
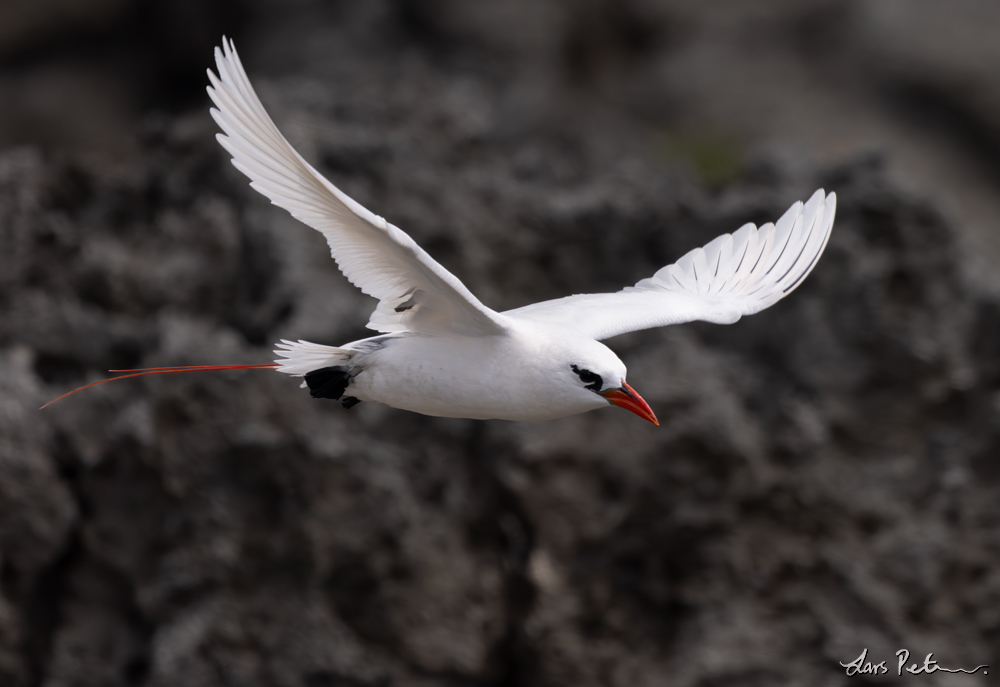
(824, 479)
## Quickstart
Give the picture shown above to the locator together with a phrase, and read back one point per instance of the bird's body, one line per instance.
(505, 376)
(442, 352)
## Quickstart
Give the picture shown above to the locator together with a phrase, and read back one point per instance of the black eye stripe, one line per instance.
(591, 379)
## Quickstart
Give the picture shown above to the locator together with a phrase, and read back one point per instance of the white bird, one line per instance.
(441, 351)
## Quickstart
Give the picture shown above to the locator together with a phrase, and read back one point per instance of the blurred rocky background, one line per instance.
(827, 474)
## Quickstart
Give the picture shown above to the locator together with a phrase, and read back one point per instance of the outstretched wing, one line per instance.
(734, 275)
(415, 293)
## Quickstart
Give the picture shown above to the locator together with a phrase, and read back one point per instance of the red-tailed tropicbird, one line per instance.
(441, 351)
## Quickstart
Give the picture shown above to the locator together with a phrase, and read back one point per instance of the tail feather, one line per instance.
(299, 358)
(142, 372)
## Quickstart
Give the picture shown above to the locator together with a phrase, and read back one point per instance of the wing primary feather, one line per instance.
(800, 253)
(747, 262)
(829, 212)
(764, 255)
(235, 107)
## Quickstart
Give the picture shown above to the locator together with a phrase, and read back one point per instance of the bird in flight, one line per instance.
(440, 351)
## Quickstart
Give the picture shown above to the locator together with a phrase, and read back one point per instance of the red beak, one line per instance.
(626, 397)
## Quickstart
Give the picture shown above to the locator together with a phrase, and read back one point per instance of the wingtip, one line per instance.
(229, 49)
(224, 53)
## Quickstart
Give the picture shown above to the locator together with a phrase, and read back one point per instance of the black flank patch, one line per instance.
(349, 402)
(328, 382)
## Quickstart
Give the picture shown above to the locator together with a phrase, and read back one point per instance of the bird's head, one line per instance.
(595, 373)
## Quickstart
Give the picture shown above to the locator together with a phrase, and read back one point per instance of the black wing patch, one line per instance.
(411, 296)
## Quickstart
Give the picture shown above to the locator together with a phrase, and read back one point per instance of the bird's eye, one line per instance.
(592, 380)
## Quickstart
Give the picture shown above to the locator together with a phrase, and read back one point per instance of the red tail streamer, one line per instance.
(163, 371)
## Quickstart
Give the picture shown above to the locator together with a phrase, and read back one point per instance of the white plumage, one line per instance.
(442, 351)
